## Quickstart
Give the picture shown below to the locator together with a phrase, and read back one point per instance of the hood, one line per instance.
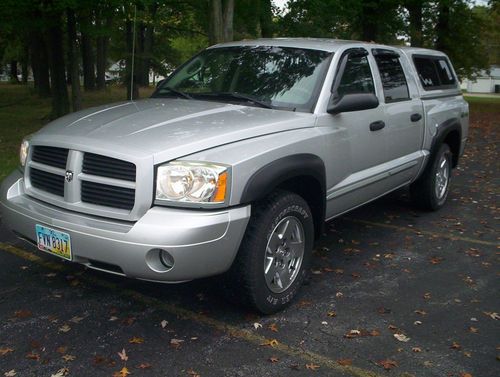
(166, 128)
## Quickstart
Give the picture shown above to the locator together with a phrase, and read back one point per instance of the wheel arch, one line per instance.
(303, 174)
(449, 132)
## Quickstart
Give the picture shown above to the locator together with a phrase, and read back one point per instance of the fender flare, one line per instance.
(443, 130)
(270, 176)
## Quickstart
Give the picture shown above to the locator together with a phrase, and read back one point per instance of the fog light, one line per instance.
(166, 259)
(159, 260)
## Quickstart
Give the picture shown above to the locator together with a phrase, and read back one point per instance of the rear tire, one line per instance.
(274, 255)
(430, 191)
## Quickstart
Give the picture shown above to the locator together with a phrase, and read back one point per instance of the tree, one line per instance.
(221, 21)
(74, 71)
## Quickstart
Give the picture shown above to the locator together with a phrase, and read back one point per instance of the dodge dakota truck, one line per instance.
(236, 161)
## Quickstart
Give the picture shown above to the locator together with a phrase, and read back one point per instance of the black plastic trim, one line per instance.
(443, 130)
(270, 176)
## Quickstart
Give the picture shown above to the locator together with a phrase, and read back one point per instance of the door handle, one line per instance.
(378, 125)
(415, 117)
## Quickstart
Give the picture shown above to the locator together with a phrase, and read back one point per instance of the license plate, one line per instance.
(53, 241)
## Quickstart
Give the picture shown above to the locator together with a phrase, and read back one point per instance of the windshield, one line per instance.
(266, 76)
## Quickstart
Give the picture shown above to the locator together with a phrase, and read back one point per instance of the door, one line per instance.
(356, 140)
(404, 124)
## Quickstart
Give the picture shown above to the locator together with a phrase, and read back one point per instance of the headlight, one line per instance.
(23, 152)
(192, 182)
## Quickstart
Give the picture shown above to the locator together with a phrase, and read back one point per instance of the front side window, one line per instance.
(392, 76)
(278, 77)
(357, 76)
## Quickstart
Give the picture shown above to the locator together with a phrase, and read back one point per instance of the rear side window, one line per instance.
(434, 72)
(393, 77)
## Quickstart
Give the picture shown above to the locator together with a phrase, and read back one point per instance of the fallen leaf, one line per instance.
(374, 333)
(417, 323)
(344, 362)
(124, 372)
(22, 314)
(421, 312)
(61, 373)
(5, 351)
(123, 355)
(163, 324)
(492, 315)
(144, 366)
(332, 314)
(113, 318)
(388, 364)
(136, 340)
(176, 343)
(427, 295)
(312, 366)
(62, 350)
(64, 328)
(401, 337)
(257, 325)
(465, 375)
(273, 327)
(274, 359)
(473, 330)
(455, 346)
(192, 373)
(436, 260)
(270, 343)
(68, 357)
(76, 319)
(33, 356)
(416, 349)
(10, 373)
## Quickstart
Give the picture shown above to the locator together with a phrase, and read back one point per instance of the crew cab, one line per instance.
(237, 160)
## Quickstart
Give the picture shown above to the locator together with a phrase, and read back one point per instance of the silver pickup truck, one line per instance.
(236, 161)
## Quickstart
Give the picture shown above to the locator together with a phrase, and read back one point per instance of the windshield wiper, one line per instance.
(239, 96)
(176, 92)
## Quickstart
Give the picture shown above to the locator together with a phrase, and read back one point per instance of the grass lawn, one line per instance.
(22, 113)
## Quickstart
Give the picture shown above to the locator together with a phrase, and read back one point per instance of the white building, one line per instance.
(484, 82)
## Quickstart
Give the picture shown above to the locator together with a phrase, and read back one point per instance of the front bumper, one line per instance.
(202, 243)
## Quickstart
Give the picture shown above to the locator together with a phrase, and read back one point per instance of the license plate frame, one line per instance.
(53, 241)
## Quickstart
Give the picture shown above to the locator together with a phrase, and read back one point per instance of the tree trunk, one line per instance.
(129, 76)
(13, 71)
(414, 8)
(148, 45)
(215, 34)
(40, 64)
(221, 21)
(60, 101)
(87, 55)
(228, 18)
(443, 26)
(368, 20)
(102, 43)
(266, 19)
(74, 71)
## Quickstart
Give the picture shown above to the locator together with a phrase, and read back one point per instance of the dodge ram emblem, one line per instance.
(68, 176)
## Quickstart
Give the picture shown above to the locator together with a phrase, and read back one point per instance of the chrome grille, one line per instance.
(106, 195)
(108, 167)
(85, 182)
(51, 156)
(46, 181)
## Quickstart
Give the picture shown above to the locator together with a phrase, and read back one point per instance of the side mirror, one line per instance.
(158, 84)
(352, 102)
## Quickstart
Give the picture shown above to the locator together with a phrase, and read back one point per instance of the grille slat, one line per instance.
(51, 156)
(46, 181)
(106, 195)
(108, 167)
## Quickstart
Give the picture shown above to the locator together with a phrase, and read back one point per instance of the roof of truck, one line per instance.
(325, 44)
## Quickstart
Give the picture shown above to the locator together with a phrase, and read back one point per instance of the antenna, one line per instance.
(133, 56)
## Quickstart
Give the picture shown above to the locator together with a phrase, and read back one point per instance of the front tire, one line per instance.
(275, 253)
(430, 191)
